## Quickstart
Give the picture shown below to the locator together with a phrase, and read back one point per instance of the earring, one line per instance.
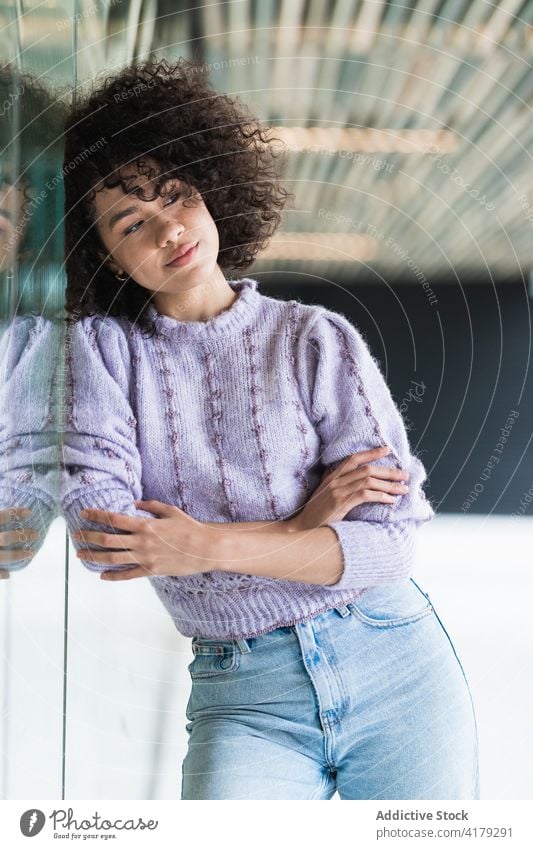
(122, 278)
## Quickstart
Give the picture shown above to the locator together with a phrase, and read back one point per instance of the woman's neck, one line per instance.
(198, 303)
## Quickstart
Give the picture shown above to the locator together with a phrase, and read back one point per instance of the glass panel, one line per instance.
(34, 73)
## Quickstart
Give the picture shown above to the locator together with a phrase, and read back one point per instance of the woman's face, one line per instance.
(142, 237)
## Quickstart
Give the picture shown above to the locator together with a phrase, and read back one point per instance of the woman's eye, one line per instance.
(133, 227)
(174, 197)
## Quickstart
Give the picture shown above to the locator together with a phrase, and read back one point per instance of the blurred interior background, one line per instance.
(409, 141)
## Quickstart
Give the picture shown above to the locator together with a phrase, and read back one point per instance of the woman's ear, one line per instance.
(115, 269)
(110, 264)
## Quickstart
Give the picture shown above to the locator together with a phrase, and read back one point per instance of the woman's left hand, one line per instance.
(173, 544)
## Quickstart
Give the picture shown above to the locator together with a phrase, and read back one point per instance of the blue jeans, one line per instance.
(369, 700)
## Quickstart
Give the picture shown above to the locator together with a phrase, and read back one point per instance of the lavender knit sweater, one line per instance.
(234, 419)
(30, 356)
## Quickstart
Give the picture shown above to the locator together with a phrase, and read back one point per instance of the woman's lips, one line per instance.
(184, 258)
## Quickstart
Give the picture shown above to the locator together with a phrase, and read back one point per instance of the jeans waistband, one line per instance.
(244, 646)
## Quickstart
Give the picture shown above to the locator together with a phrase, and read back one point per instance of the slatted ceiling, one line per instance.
(316, 21)
(337, 33)
(398, 86)
(501, 20)
(261, 45)
(236, 41)
(277, 74)
(418, 26)
(366, 25)
(147, 27)
(215, 25)
(479, 98)
(289, 31)
(460, 65)
(501, 98)
(434, 85)
(306, 76)
(511, 212)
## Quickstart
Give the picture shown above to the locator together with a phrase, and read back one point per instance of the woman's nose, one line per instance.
(167, 229)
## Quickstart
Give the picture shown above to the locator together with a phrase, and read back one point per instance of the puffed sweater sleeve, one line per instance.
(101, 465)
(353, 410)
(29, 440)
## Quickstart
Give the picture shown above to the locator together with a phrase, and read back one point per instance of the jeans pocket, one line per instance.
(391, 605)
(213, 658)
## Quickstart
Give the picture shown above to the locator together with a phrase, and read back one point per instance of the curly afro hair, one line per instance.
(209, 141)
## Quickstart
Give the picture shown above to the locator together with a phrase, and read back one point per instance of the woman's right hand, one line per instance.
(353, 482)
(11, 541)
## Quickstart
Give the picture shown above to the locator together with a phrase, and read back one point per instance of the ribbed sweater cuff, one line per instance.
(43, 512)
(374, 552)
(112, 500)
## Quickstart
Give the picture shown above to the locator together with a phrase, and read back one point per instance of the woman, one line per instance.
(319, 664)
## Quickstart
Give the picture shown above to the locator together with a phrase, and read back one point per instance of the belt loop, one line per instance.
(343, 611)
(243, 646)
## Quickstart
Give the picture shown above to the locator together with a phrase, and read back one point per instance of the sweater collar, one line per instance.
(230, 320)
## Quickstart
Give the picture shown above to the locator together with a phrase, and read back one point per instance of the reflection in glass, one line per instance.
(29, 312)
(31, 295)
